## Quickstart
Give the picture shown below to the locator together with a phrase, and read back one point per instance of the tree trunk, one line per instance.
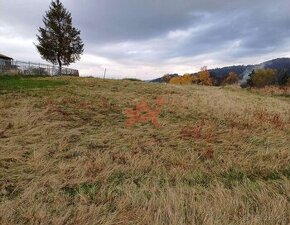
(60, 65)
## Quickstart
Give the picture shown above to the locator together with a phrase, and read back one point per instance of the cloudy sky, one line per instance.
(148, 38)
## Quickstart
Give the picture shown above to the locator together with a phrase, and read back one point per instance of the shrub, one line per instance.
(203, 77)
(231, 78)
(185, 79)
(262, 77)
(175, 80)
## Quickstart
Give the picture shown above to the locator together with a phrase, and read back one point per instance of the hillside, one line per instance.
(243, 70)
(212, 155)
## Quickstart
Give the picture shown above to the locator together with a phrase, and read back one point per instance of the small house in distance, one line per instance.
(6, 59)
(5, 62)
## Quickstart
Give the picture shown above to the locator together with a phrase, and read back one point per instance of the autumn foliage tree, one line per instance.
(231, 78)
(183, 80)
(203, 77)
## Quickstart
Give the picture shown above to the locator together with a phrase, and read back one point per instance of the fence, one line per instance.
(30, 68)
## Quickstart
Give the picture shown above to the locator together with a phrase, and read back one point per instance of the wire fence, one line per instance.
(30, 68)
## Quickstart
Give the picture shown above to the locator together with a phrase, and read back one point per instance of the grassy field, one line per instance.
(221, 155)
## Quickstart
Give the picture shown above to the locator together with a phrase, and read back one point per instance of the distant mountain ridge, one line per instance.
(241, 70)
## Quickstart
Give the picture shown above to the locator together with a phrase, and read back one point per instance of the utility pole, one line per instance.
(105, 73)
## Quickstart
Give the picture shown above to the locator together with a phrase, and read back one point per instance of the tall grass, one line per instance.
(220, 155)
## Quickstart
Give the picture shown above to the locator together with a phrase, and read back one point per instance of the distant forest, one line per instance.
(277, 72)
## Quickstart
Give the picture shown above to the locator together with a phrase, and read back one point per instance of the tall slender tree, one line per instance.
(59, 42)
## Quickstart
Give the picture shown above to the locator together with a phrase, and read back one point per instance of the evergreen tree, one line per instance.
(283, 76)
(59, 41)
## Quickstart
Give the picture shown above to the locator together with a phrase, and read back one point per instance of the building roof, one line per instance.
(5, 57)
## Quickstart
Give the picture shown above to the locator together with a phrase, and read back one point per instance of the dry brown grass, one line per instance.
(274, 90)
(220, 156)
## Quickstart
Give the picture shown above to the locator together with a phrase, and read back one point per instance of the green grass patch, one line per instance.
(27, 83)
(231, 177)
(118, 177)
(200, 179)
(88, 189)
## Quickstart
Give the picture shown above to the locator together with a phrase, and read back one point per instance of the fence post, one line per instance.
(29, 68)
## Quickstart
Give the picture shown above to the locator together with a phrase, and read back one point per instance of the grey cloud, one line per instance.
(157, 31)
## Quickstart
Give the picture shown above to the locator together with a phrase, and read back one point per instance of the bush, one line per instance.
(262, 77)
(203, 77)
(231, 78)
(183, 80)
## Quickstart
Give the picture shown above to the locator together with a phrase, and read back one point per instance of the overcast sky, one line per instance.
(148, 38)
